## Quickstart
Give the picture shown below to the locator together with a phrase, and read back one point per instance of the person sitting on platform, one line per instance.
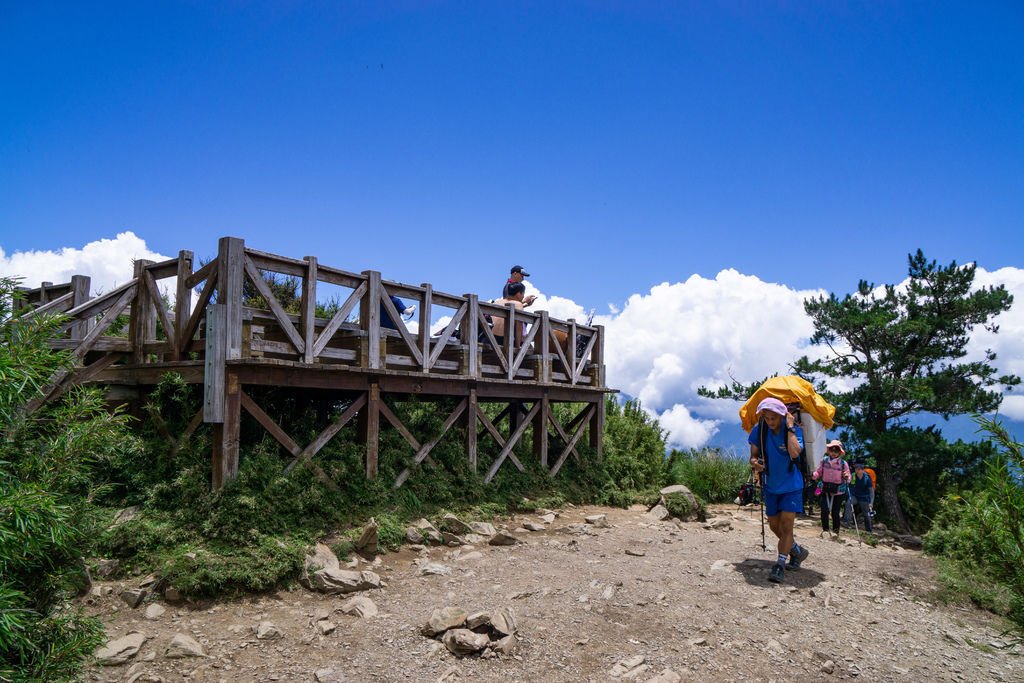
(515, 295)
(403, 310)
(516, 277)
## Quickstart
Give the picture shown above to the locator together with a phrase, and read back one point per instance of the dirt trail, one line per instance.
(687, 598)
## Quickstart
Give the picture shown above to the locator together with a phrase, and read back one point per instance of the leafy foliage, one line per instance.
(714, 476)
(981, 533)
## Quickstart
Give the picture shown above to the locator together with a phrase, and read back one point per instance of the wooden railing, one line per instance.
(209, 320)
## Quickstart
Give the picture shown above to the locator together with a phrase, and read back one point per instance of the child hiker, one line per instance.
(833, 477)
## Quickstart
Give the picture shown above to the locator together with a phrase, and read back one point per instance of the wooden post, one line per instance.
(182, 304)
(597, 357)
(369, 319)
(511, 341)
(470, 332)
(79, 295)
(570, 352)
(543, 371)
(142, 321)
(44, 296)
(369, 429)
(540, 431)
(230, 277)
(515, 415)
(309, 309)
(597, 427)
(471, 408)
(425, 314)
(226, 434)
(214, 366)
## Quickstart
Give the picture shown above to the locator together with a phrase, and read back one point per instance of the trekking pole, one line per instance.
(828, 509)
(856, 526)
(764, 545)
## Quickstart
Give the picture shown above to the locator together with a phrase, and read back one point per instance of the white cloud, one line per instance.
(107, 261)
(685, 430)
(1008, 343)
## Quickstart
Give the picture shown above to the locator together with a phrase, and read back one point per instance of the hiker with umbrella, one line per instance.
(775, 446)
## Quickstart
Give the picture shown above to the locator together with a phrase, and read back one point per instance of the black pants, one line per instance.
(838, 502)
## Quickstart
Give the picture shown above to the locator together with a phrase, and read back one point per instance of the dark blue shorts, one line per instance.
(774, 503)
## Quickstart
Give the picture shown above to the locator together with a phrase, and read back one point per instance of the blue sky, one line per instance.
(608, 147)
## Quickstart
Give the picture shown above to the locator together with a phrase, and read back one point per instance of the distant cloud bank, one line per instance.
(662, 344)
(107, 261)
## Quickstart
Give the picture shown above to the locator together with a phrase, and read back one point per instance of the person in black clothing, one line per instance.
(516, 276)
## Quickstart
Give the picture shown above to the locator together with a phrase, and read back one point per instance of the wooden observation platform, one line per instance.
(210, 337)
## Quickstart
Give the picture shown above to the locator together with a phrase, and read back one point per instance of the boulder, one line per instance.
(682, 504)
(443, 619)
(483, 528)
(154, 611)
(547, 517)
(120, 650)
(325, 627)
(413, 535)
(183, 646)
(133, 597)
(452, 540)
(503, 538)
(435, 569)
(666, 676)
(427, 530)
(268, 630)
(340, 581)
(658, 513)
(461, 641)
(329, 676)
(107, 568)
(533, 526)
(455, 525)
(320, 558)
(597, 520)
(367, 542)
(359, 606)
(126, 515)
(505, 646)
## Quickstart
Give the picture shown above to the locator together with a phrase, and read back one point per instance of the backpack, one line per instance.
(747, 494)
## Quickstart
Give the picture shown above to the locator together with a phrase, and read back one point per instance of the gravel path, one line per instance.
(649, 596)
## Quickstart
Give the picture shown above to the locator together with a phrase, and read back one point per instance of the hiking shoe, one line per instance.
(777, 574)
(796, 559)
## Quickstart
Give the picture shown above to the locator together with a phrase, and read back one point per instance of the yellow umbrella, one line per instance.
(789, 389)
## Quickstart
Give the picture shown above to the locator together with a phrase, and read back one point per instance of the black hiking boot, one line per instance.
(777, 574)
(797, 558)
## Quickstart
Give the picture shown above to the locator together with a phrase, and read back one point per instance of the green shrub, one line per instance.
(634, 446)
(980, 534)
(713, 476)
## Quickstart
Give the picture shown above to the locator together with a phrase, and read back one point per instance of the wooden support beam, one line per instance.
(356, 297)
(540, 432)
(189, 330)
(153, 293)
(327, 434)
(597, 428)
(214, 364)
(470, 333)
(369, 320)
(423, 452)
(426, 305)
(226, 434)
(571, 446)
(230, 278)
(275, 306)
(471, 413)
(142, 324)
(309, 309)
(369, 429)
(513, 439)
(79, 295)
(182, 304)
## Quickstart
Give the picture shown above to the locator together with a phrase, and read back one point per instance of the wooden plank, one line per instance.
(410, 342)
(370, 427)
(226, 434)
(423, 452)
(276, 264)
(470, 333)
(598, 357)
(508, 347)
(369, 320)
(386, 411)
(324, 437)
(142, 323)
(490, 339)
(540, 432)
(105, 322)
(214, 364)
(60, 304)
(471, 413)
(446, 334)
(193, 425)
(161, 310)
(80, 291)
(163, 269)
(230, 278)
(543, 330)
(570, 366)
(198, 312)
(597, 428)
(339, 317)
(182, 303)
(563, 433)
(426, 304)
(309, 309)
(524, 349)
(571, 446)
(94, 307)
(506, 451)
(275, 306)
(193, 280)
(335, 276)
(582, 363)
(268, 424)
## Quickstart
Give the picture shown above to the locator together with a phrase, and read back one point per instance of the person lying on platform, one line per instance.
(403, 310)
(516, 277)
(515, 295)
